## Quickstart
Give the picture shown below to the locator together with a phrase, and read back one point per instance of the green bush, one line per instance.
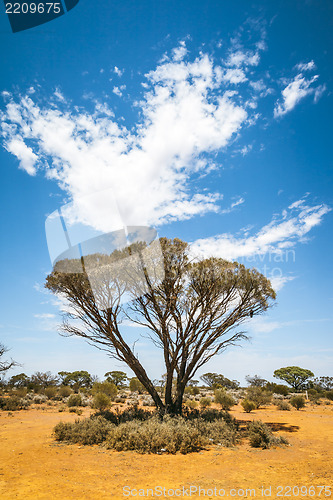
(136, 386)
(248, 406)
(298, 402)
(107, 388)
(74, 400)
(50, 392)
(192, 404)
(260, 436)
(88, 431)
(259, 396)
(65, 391)
(101, 401)
(224, 399)
(151, 434)
(205, 402)
(13, 404)
(283, 405)
(329, 395)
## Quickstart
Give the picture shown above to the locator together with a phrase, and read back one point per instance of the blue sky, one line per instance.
(207, 120)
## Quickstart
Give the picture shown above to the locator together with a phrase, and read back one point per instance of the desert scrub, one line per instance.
(298, 402)
(107, 388)
(224, 399)
(74, 400)
(101, 401)
(152, 433)
(259, 396)
(88, 431)
(261, 436)
(283, 405)
(248, 406)
(205, 402)
(13, 404)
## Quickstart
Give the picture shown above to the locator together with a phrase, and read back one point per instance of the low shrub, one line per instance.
(39, 399)
(283, 405)
(88, 431)
(205, 402)
(248, 406)
(101, 401)
(261, 436)
(13, 404)
(108, 388)
(191, 404)
(74, 400)
(50, 392)
(65, 391)
(259, 396)
(298, 402)
(224, 399)
(151, 433)
(329, 395)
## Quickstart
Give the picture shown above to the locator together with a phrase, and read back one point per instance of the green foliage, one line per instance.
(224, 399)
(248, 406)
(329, 395)
(20, 380)
(101, 401)
(65, 391)
(295, 376)
(215, 380)
(192, 404)
(88, 431)
(74, 400)
(258, 396)
(50, 392)
(283, 405)
(136, 386)
(281, 389)
(13, 403)
(107, 388)
(255, 381)
(77, 379)
(298, 402)
(205, 402)
(119, 379)
(260, 436)
(325, 383)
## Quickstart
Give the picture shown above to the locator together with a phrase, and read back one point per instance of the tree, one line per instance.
(325, 383)
(5, 365)
(295, 376)
(192, 314)
(20, 380)
(44, 379)
(117, 378)
(256, 381)
(78, 379)
(215, 380)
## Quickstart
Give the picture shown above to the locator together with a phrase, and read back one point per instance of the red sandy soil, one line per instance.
(34, 466)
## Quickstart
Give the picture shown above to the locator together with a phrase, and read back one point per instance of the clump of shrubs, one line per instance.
(224, 399)
(283, 405)
(74, 400)
(101, 401)
(108, 388)
(259, 396)
(65, 391)
(248, 405)
(261, 436)
(13, 403)
(151, 433)
(298, 402)
(205, 402)
(50, 392)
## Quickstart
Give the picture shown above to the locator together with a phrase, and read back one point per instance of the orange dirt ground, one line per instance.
(34, 466)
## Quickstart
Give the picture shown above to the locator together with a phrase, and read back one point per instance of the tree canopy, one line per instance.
(5, 365)
(192, 314)
(295, 376)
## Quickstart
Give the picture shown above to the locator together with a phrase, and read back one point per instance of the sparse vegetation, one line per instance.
(298, 402)
(248, 405)
(261, 436)
(74, 400)
(224, 399)
(283, 405)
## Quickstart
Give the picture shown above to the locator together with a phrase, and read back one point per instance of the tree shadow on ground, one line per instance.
(275, 426)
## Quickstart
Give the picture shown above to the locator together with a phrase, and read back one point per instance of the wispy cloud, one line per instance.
(297, 89)
(281, 233)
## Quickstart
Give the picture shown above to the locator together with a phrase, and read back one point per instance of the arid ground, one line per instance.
(34, 466)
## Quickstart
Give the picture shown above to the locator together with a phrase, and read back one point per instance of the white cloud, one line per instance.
(118, 72)
(294, 92)
(23, 153)
(281, 233)
(44, 316)
(306, 66)
(187, 114)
